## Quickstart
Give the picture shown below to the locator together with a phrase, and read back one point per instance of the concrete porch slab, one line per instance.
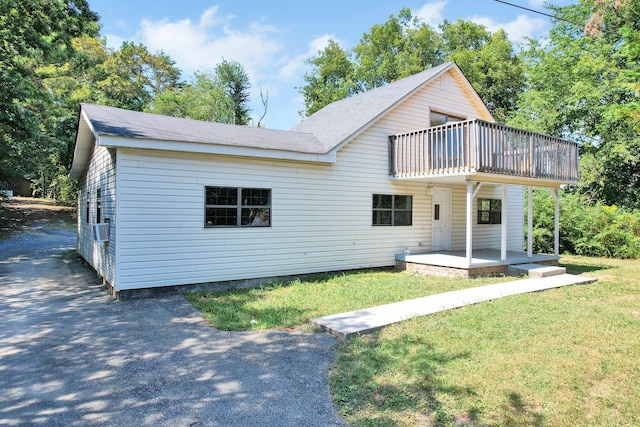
(354, 323)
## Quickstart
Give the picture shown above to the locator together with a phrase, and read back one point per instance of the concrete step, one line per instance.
(535, 270)
(354, 323)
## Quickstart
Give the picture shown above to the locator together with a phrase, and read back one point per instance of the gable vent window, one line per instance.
(392, 210)
(489, 211)
(88, 211)
(98, 206)
(237, 207)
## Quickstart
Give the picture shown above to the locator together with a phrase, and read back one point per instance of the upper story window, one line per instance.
(237, 207)
(489, 211)
(392, 210)
(437, 119)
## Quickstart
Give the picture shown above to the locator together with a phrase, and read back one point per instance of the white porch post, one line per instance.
(469, 250)
(556, 224)
(503, 245)
(530, 223)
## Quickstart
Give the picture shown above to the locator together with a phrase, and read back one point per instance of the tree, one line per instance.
(203, 98)
(220, 97)
(405, 45)
(398, 48)
(33, 34)
(332, 78)
(488, 61)
(132, 76)
(235, 83)
(576, 90)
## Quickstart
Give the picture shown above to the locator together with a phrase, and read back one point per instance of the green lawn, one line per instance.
(563, 357)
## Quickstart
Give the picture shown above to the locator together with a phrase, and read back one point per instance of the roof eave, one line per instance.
(216, 149)
(85, 138)
(408, 95)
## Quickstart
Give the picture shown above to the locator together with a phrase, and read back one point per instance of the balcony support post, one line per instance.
(556, 222)
(530, 222)
(469, 249)
(503, 220)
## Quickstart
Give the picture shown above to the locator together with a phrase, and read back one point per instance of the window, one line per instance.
(98, 206)
(489, 211)
(88, 216)
(237, 207)
(392, 210)
(437, 119)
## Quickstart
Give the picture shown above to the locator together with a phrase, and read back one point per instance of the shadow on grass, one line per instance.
(575, 267)
(518, 413)
(229, 311)
(378, 382)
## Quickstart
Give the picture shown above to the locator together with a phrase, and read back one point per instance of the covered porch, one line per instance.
(476, 153)
(484, 262)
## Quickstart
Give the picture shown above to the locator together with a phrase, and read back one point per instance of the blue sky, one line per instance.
(271, 39)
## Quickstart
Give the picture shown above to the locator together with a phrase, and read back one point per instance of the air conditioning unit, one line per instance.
(101, 232)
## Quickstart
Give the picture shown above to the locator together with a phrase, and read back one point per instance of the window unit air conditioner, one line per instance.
(101, 232)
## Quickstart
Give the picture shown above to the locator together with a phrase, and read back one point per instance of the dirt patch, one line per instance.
(26, 212)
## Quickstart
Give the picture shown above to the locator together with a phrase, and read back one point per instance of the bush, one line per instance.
(585, 229)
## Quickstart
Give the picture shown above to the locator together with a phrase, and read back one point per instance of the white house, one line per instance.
(413, 169)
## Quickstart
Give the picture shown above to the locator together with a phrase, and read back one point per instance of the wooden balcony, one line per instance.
(476, 147)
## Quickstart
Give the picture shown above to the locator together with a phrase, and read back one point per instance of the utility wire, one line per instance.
(552, 16)
(538, 12)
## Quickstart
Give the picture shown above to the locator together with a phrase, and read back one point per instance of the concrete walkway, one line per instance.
(353, 323)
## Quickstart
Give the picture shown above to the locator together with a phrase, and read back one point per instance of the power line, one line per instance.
(539, 13)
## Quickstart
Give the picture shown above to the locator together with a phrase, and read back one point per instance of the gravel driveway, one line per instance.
(71, 355)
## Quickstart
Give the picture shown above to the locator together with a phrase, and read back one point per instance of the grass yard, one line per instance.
(562, 357)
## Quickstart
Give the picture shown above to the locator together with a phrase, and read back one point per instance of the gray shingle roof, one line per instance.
(111, 121)
(342, 120)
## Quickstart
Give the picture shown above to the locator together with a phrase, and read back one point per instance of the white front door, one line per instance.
(441, 219)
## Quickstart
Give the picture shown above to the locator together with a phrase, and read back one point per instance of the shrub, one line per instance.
(585, 229)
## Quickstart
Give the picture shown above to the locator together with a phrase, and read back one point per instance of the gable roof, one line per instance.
(339, 122)
(111, 121)
(317, 138)
(116, 127)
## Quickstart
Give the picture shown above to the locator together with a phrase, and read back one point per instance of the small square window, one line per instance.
(489, 211)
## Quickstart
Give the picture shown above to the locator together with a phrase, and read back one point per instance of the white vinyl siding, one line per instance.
(100, 175)
(321, 213)
(489, 235)
(321, 220)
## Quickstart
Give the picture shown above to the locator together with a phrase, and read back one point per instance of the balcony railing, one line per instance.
(476, 146)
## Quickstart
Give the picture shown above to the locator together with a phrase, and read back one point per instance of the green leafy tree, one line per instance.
(221, 96)
(576, 87)
(132, 76)
(203, 98)
(235, 83)
(404, 45)
(488, 61)
(400, 47)
(332, 78)
(34, 34)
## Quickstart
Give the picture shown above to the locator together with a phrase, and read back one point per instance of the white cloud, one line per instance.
(203, 44)
(431, 13)
(294, 67)
(517, 29)
(114, 41)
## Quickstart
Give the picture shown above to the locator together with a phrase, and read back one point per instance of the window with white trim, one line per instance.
(237, 207)
(392, 210)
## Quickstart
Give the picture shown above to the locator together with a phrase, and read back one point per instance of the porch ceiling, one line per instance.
(462, 178)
